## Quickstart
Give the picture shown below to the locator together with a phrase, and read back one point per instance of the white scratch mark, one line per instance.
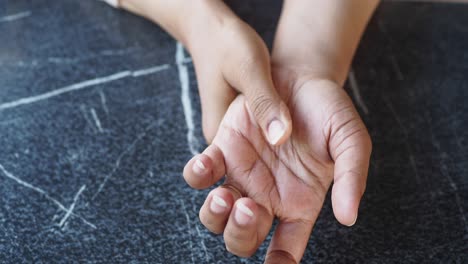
(396, 67)
(66, 89)
(85, 115)
(151, 70)
(415, 168)
(96, 120)
(462, 213)
(445, 172)
(72, 206)
(25, 184)
(405, 133)
(185, 97)
(444, 156)
(189, 225)
(187, 60)
(356, 93)
(454, 188)
(103, 102)
(397, 118)
(81, 85)
(103, 53)
(14, 17)
(120, 157)
(44, 193)
(457, 140)
(202, 243)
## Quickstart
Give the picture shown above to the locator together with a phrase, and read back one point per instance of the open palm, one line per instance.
(328, 143)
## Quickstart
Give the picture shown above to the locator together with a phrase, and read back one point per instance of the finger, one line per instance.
(215, 211)
(251, 75)
(289, 242)
(215, 95)
(350, 175)
(205, 169)
(247, 227)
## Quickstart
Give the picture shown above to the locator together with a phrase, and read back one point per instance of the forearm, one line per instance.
(320, 37)
(190, 22)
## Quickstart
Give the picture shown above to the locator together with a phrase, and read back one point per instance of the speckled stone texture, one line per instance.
(125, 130)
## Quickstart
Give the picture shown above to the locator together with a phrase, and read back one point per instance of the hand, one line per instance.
(235, 59)
(229, 58)
(329, 142)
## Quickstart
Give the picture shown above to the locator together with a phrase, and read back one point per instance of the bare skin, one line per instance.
(289, 181)
(321, 138)
(329, 142)
(229, 58)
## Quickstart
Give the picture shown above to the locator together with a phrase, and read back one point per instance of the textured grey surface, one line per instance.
(410, 71)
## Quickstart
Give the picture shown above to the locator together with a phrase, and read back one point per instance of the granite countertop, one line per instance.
(94, 122)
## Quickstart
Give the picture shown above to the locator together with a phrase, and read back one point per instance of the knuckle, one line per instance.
(239, 241)
(248, 69)
(252, 62)
(350, 173)
(235, 236)
(348, 131)
(260, 106)
(248, 63)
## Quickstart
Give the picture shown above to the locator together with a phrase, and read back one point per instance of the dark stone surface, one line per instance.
(411, 70)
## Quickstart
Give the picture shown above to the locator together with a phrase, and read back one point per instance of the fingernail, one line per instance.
(354, 222)
(218, 205)
(199, 167)
(243, 214)
(275, 131)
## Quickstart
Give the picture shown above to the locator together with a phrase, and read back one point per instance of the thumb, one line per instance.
(252, 77)
(270, 112)
(350, 173)
(264, 103)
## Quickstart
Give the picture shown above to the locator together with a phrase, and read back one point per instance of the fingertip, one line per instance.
(241, 232)
(216, 209)
(221, 201)
(198, 171)
(345, 203)
(354, 221)
(347, 219)
(245, 212)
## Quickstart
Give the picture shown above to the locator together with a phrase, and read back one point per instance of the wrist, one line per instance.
(204, 26)
(190, 22)
(325, 35)
(308, 55)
